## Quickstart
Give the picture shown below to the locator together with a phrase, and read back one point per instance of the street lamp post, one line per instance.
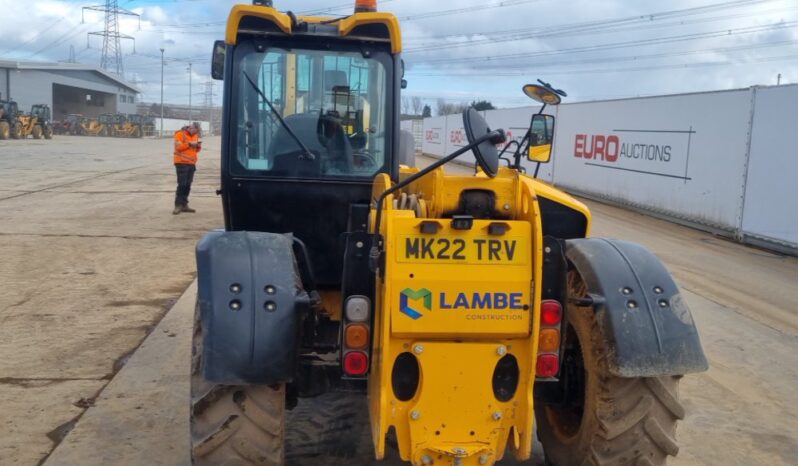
(161, 132)
(190, 116)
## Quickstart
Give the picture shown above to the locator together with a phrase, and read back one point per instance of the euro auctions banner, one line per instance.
(717, 159)
(681, 155)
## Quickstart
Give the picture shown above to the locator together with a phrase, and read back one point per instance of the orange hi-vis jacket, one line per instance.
(184, 153)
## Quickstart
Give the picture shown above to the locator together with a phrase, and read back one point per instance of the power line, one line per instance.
(538, 65)
(639, 68)
(620, 45)
(605, 26)
(457, 11)
(111, 58)
(36, 36)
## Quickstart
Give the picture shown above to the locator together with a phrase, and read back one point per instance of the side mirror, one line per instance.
(217, 60)
(404, 83)
(541, 137)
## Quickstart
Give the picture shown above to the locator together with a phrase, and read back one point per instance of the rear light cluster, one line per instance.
(356, 335)
(548, 362)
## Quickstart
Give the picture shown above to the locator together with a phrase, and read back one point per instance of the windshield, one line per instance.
(332, 102)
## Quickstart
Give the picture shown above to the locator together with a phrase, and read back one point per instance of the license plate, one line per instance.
(506, 250)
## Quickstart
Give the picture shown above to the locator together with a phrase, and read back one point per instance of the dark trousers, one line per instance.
(185, 176)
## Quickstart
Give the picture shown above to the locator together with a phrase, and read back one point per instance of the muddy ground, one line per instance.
(93, 258)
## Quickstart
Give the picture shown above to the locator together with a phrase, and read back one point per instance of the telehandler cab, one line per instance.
(43, 119)
(466, 310)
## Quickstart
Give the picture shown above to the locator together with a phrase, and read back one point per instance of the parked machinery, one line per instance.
(8, 119)
(468, 309)
(134, 126)
(148, 125)
(43, 119)
(36, 123)
(70, 125)
(100, 126)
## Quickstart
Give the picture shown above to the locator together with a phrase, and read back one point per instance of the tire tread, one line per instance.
(627, 421)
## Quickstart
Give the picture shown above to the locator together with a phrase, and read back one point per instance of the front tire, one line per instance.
(5, 130)
(234, 424)
(37, 132)
(607, 420)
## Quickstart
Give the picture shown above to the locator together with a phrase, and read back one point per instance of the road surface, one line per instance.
(93, 258)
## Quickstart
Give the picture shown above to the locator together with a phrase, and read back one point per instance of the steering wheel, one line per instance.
(364, 159)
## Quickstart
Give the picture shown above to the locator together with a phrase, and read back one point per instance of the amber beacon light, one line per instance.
(362, 6)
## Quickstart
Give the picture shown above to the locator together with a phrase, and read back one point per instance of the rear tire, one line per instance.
(234, 424)
(16, 131)
(5, 130)
(609, 420)
(37, 132)
(332, 429)
(48, 132)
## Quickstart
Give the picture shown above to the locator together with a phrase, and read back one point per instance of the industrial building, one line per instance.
(66, 88)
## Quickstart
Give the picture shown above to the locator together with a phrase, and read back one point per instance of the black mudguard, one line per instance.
(641, 314)
(257, 342)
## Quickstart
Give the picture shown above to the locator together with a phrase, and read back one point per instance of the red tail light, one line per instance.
(548, 365)
(356, 363)
(550, 312)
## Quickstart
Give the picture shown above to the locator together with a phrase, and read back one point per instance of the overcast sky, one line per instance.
(460, 50)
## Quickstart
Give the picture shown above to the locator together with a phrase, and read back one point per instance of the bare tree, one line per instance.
(417, 105)
(446, 108)
(405, 105)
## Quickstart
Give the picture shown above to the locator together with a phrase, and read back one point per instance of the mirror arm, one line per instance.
(376, 239)
(507, 146)
(520, 150)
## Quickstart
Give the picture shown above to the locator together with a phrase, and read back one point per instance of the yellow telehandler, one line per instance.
(458, 312)
(36, 123)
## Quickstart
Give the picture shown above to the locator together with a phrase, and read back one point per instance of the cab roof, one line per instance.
(257, 19)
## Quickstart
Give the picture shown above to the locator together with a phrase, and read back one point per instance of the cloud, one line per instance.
(462, 56)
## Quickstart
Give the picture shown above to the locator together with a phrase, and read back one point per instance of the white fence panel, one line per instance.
(444, 135)
(170, 125)
(683, 155)
(770, 211)
(434, 136)
(455, 137)
(416, 128)
(713, 159)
